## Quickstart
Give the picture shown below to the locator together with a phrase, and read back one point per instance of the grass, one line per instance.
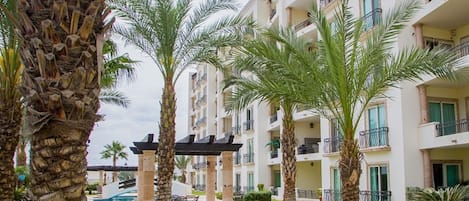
(196, 192)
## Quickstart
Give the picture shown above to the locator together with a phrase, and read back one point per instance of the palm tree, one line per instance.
(257, 58)
(116, 152)
(455, 193)
(116, 68)
(181, 164)
(61, 49)
(10, 102)
(177, 34)
(352, 68)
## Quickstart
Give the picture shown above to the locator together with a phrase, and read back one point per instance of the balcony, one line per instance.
(236, 130)
(201, 165)
(462, 49)
(331, 195)
(375, 195)
(372, 18)
(274, 154)
(377, 137)
(248, 125)
(308, 194)
(273, 118)
(303, 24)
(308, 148)
(248, 158)
(273, 12)
(434, 135)
(332, 145)
(199, 187)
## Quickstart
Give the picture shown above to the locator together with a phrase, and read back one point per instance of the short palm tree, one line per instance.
(456, 193)
(115, 150)
(116, 68)
(10, 101)
(258, 58)
(177, 34)
(181, 164)
(61, 49)
(352, 68)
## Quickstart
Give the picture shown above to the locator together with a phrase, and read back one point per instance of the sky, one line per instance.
(133, 123)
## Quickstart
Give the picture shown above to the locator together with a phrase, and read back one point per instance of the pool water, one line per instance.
(119, 198)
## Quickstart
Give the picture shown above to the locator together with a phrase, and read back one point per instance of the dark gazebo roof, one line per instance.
(206, 146)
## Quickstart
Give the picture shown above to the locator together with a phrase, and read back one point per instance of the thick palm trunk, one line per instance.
(350, 170)
(58, 162)
(10, 121)
(61, 88)
(166, 141)
(289, 157)
(21, 152)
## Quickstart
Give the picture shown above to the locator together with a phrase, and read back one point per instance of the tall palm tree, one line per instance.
(116, 68)
(116, 152)
(177, 34)
(10, 102)
(257, 58)
(61, 49)
(181, 164)
(352, 68)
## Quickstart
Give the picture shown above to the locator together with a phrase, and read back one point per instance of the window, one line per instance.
(250, 181)
(277, 178)
(378, 178)
(336, 184)
(250, 151)
(372, 13)
(445, 113)
(446, 174)
(336, 137)
(377, 131)
(237, 182)
(249, 119)
(434, 42)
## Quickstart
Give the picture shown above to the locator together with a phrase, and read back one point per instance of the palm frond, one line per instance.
(114, 97)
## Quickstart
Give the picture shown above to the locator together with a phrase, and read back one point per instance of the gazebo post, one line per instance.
(140, 178)
(210, 183)
(101, 181)
(148, 171)
(227, 160)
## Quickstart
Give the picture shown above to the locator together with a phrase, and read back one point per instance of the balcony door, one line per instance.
(237, 182)
(379, 183)
(370, 13)
(445, 114)
(277, 178)
(376, 121)
(336, 184)
(446, 174)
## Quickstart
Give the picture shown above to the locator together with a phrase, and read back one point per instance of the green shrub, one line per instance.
(456, 193)
(219, 195)
(258, 196)
(260, 187)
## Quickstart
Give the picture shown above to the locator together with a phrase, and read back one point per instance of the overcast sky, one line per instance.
(131, 124)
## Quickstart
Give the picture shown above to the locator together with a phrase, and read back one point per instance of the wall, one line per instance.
(308, 176)
(453, 154)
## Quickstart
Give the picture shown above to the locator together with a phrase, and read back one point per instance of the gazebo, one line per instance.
(208, 146)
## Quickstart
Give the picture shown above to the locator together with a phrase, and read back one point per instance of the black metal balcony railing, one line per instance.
(273, 12)
(248, 158)
(200, 165)
(333, 144)
(308, 148)
(309, 194)
(372, 18)
(274, 153)
(462, 49)
(449, 128)
(248, 125)
(303, 24)
(374, 137)
(273, 118)
(375, 195)
(325, 2)
(331, 195)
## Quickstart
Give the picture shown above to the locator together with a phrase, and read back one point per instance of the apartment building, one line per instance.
(416, 138)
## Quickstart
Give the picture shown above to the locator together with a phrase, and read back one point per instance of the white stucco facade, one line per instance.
(409, 148)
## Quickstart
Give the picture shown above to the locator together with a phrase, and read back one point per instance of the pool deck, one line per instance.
(91, 197)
